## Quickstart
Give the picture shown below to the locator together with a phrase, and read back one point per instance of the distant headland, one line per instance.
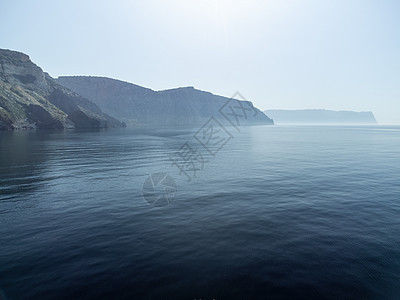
(321, 116)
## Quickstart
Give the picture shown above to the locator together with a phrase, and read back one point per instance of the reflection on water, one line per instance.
(21, 163)
(298, 212)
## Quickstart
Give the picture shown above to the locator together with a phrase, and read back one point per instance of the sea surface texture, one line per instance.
(261, 212)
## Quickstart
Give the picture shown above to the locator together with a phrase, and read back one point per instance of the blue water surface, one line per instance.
(293, 212)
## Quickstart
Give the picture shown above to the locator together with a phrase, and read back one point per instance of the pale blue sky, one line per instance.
(342, 54)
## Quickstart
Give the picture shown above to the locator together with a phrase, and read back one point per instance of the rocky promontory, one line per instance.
(134, 104)
(30, 98)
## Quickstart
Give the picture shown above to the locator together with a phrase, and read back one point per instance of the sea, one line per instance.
(256, 212)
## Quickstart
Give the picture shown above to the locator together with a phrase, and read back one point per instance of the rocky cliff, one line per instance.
(30, 98)
(134, 104)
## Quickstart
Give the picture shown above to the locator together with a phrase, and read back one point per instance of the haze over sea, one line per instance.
(285, 211)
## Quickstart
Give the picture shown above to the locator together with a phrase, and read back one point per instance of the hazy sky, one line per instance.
(332, 54)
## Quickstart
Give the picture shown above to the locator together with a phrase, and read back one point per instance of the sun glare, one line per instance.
(216, 10)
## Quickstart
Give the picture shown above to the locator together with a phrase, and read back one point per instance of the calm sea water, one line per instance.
(279, 212)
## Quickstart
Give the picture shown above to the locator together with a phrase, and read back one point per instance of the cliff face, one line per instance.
(138, 105)
(321, 116)
(30, 98)
(17, 68)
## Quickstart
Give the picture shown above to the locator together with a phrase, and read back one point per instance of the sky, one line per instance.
(279, 54)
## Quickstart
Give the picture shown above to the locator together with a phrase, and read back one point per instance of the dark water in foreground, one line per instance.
(280, 212)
